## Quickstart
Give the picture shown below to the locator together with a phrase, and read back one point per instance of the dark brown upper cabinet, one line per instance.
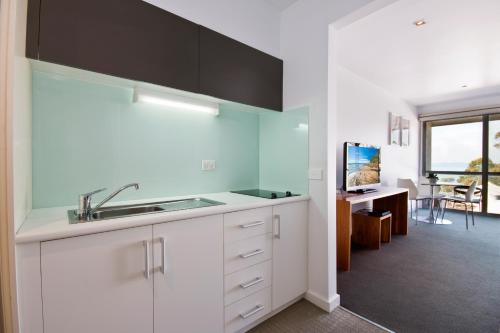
(135, 40)
(237, 72)
(130, 39)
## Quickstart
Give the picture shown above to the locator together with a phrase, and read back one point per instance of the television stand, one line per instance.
(363, 191)
(394, 200)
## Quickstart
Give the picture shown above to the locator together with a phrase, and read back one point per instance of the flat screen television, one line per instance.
(361, 166)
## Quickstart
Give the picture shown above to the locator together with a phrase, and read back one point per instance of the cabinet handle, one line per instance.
(252, 312)
(277, 233)
(250, 225)
(163, 242)
(147, 252)
(252, 283)
(251, 254)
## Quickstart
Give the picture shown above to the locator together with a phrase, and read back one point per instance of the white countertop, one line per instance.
(381, 192)
(52, 223)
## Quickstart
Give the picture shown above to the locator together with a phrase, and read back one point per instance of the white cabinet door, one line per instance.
(189, 275)
(289, 252)
(97, 283)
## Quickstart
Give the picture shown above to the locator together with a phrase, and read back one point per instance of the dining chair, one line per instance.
(424, 190)
(467, 199)
(413, 195)
(462, 189)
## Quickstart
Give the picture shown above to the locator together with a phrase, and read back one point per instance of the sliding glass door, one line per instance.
(462, 150)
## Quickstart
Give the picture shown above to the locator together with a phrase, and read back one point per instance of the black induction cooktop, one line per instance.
(266, 194)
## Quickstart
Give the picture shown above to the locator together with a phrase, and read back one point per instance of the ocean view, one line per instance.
(449, 166)
(354, 167)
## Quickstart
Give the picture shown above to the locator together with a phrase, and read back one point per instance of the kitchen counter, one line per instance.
(52, 223)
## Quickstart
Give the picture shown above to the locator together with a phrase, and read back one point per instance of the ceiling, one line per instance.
(459, 46)
(281, 4)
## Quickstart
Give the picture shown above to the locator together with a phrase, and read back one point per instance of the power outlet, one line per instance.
(207, 165)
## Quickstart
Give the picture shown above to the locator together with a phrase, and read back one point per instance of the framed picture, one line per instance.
(405, 132)
(394, 129)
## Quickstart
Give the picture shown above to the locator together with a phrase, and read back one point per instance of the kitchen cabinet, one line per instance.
(247, 281)
(105, 282)
(135, 40)
(188, 282)
(216, 273)
(289, 252)
(248, 252)
(97, 283)
(247, 224)
(246, 311)
(237, 72)
(130, 39)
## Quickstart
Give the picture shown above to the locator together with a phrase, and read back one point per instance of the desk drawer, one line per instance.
(248, 223)
(247, 310)
(246, 253)
(247, 281)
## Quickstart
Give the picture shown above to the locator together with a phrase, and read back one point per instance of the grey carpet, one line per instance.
(439, 278)
(303, 317)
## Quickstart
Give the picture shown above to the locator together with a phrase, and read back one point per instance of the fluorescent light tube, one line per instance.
(176, 102)
(303, 126)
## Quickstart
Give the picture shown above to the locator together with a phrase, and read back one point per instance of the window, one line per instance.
(494, 164)
(454, 145)
(462, 150)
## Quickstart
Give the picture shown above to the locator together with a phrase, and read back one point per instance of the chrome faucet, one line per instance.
(85, 209)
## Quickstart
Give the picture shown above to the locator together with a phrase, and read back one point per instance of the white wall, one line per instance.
(304, 49)
(253, 22)
(364, 117)
(461, 104)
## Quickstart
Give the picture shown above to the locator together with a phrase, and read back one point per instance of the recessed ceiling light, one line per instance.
(464, 86)
(420, 23)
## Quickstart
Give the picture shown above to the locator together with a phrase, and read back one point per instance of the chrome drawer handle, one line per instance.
(250, 225)
(277, 233)
(252, 312)
(251, 254)
(147, 255)
(163, 255)
(252, 283)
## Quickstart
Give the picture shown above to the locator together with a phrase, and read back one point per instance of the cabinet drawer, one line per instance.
(245, 282)
(246, 224)
(247, 253)
(246, 311)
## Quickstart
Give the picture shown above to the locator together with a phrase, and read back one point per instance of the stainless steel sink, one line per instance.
(105, 213)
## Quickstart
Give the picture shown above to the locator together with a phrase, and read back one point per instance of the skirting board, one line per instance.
(320, 302)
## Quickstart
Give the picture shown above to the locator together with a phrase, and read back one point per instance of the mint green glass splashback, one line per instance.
(284, 153)
(87, 136)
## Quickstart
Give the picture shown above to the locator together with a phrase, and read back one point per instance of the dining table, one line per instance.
(432, 218)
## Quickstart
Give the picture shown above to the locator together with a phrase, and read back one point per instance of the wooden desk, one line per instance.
(393, 199)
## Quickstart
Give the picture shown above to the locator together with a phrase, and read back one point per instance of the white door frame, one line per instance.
(8, 299)
(332, 112)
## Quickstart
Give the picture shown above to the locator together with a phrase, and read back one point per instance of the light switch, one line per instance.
(207, 165)
(316, 174)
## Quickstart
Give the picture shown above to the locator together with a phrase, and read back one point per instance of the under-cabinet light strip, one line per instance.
(176, 102)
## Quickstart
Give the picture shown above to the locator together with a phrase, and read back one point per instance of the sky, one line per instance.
(462, 143)
(361, 154)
